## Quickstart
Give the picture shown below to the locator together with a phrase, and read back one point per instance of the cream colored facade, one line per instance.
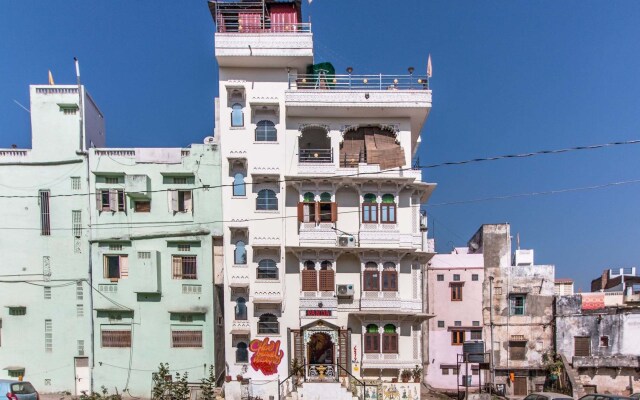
(310, 224)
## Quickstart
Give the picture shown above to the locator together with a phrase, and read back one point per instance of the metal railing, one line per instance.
(315, 156)
(258, 27)
(359, 82)
(355, 385)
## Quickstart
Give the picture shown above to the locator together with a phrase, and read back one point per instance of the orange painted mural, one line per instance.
(266, 355)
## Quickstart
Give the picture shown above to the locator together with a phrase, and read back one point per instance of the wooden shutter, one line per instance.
(309, 280)
(99, 200)
(300, 212)
(517, 350)
(173, 200)
(298, 346)
(582, 346)
(177, 267)
(520, 386)
(343, 355)
(327, 280)
(124, 267)
(188, 203)
(334, 212)
(113, 199)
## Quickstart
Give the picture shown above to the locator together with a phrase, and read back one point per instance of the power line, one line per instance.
(448, 163)
(548, 192)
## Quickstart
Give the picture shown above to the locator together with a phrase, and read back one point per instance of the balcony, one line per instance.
(312, 234)
(266, 291)
(387, 360)
(311, 300)
(385, 301)
(315, 156)
(240, 327)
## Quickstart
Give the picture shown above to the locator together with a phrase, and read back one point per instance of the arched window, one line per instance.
(266, 131)
(241, 309)
(389, 339)
(267, 200)
(309, 197)
(327, 210)
(372, 339)
(240, 253)
(308, 208)
(325, 197)
(242, 354)
(268, 324)
(369, 209)
(239, 187)
(267, 269)
(388, 209)
(237, 115)
(309, 277)
(389, 277)
(327, 277)
(371, 277)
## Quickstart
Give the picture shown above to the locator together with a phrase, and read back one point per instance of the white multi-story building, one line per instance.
(325, 245)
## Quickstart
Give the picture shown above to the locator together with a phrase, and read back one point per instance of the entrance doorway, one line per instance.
(520, 386)
(83, 375)
(320, 349)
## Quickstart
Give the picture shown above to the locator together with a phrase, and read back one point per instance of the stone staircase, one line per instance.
(321, 391)
(576, 385)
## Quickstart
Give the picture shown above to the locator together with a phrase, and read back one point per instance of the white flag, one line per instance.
(429, 68)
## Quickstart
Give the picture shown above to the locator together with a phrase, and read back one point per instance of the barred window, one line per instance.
(186, 338)
(185, 267)
(267, 269)
(116, 338)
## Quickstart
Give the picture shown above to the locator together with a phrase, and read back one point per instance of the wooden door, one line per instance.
(520, 386)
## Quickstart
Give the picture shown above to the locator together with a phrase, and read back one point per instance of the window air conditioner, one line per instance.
(346, 241)
(344, 290)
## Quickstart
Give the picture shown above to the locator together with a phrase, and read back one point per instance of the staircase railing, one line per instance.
(354, 383)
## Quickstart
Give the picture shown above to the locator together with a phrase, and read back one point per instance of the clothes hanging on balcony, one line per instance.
(284, 18)
(249, 22)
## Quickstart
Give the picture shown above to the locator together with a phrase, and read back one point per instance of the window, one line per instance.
(516, 304)
(445, 371)
(115, 338)
(456, 292)
(324, 210)
(389, 277)
(112, 180)
(110, 200)
(604, 341)
(517, 350)
(475, 323)
(186, 338)
(267, 269)
(241, 309)
(266, 131)
(48, 335)
(456, 277)
(185, 267)
(389, 339)
(242, 353)
(440, 277)
(582, 346)
(476, 335)
(76, 223)
(309, 277)
(144, 255)
(45, 216)
(440, 324)
(239, 187)
(142, 206)
(79, 291)
(76, 183)
(369, 209)
(267, 200)
(268, 324)
(457, 337)
(240, 253)
(17, 311)
(474, 277)
(388, 209)
(326, 277)
(180, 200)
(184, 247)
(457, 323)
(180, 180)
(47, 292)
(79, 310)
(372, 339)
(371, 277)
(116, 267)
(237, 115)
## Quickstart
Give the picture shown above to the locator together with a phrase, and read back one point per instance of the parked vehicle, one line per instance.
(547, 396)
(598, 396)
(635, 396)
(18, 390)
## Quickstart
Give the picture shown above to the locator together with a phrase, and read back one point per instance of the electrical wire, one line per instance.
(448, 163)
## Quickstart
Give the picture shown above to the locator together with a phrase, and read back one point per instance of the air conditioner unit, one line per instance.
(346, 241)
(344, 290)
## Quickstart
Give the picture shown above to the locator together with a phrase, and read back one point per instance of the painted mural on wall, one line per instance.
(592, 301)
(267, 355)
(392, 391)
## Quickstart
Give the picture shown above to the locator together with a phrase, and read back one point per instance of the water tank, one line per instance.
(473, 351)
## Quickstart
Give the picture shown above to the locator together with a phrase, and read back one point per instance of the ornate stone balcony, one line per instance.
(386, 360)
(388, 301)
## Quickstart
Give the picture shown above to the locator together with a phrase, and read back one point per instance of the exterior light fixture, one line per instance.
(411, 69)
(349, 70)
(365, 81)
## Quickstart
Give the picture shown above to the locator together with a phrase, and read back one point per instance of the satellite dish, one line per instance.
(209, 140)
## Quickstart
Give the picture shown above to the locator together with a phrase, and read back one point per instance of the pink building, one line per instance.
(455, 297)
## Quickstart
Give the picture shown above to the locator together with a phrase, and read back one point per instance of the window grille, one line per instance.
(45, 216)
(79, 310)
(48, 335)
(186, 338)
(191, 289)
(47, 293)
(184, 247)
(76, 183)
(17, 311)
(111, 180)
(185, 267)
(116, 338)
(144, 255)
(76, 221)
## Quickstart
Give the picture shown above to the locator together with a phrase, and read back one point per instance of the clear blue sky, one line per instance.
(509, 76)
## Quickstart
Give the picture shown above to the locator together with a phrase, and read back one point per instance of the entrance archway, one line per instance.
(320, 349)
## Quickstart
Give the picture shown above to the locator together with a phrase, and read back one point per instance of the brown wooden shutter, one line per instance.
(298, 346)
(99, 200)
(343, 356)
(520, 386)
(517, 350)
(300, 212)
(334, 212)
(326, 280)
(309, 280)
(582, 346)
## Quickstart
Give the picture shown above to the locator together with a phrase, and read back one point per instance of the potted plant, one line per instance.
(417, 373)
(239, 377)
(405, 375)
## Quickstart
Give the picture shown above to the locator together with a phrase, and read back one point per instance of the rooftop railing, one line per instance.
(358, 82)
(234, 27)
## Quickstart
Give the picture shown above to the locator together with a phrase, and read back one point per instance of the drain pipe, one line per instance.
(493, 367)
